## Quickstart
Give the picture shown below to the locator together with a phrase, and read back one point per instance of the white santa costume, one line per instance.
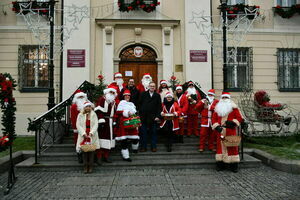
(118, 82)
(144, 85)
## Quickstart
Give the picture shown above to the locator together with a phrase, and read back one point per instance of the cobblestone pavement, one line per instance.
(254, 183)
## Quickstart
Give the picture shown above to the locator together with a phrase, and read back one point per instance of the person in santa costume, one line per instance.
(106, 112)
(226, 119)
(206, 107)
(164, 89)
(87, 126)
(77, 105)
(144, 85)
(169, 106)
(192, 115)
(118, 82)
(183, 104)
(125, 110)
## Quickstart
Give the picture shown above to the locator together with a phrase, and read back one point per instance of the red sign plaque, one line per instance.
(198, 56)
(76, 58)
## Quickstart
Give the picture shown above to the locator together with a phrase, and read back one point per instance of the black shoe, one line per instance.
(98, 161)
(107, 160)
(234, 167)
(287, 121)
(135, 151)
(80, 159)
(219, 166)
(127, 159)
(169, 148)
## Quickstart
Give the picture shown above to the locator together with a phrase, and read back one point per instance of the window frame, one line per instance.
(280, 79)
(21, 59)
(249, 71)
(285, 3)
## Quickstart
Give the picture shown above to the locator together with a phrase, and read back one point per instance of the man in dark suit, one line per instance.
(135, 93)
(149, 110)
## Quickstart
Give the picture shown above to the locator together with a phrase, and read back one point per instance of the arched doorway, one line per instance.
(135, 60)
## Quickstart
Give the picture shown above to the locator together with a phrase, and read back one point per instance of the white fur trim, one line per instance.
(215, 125)
(107, 90)
(231, 159)
(147, 76)
(118, 75)
(101, 121)
(236, 121)
(125, 153)
(79, 94)
(176, 114)
(135, 146)
(169, 95)
(164, 82)
(225, 95)
(178, 88)
(126, 113)
(211, 93)
(87, 104)
(124, 137)
(75, 131)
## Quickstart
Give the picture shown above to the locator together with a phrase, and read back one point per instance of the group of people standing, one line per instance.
(164, 108)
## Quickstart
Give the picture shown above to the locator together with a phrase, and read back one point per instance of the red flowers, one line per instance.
(4, 140)
(278, 6)
(173, 78)
(100, 77)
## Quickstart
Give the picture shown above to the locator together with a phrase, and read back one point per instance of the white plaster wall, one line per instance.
(197, 71)
(80, 39)
(168, 53)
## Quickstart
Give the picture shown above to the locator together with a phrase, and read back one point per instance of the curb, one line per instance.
(281, 164)
(18, 157)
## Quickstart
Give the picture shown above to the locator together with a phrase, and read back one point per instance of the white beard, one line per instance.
(120, 82)
(191, 91)
(146, 82)
(80, 103)
(110, 98)
(210, 99)
(224, 107)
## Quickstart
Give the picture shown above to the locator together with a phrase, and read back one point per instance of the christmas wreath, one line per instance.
(234, 10)
(8, 107)
(287, 12)
(146, 5)
(42, 8)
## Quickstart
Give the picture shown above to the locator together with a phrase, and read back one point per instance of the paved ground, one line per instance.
(253, 183)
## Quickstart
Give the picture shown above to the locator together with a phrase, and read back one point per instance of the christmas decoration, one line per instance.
(240, 9)
(42, 8)
(147, 6)
(173, 82)
(287, 12)
(8, 107)
(94, 91)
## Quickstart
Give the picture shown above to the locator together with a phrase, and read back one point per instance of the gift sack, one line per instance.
(232, 140)
(132, 122)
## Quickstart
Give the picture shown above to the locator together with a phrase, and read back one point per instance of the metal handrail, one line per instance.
(45, 125)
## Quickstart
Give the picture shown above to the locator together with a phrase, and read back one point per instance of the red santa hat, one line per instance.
(178, 87)
(110, 89)
(190, 83)
(163, 82)
(87, 103)
(225, 94)
(211, 92)
(126, 92)
(169, 94)
(118, 75)
(79, 93)
(147, 75)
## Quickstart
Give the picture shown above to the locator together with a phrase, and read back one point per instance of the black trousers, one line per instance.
(88, 159)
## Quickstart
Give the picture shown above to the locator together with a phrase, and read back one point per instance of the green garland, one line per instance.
(94, 91)
(137, 4)
(8, 107)
(287, 12)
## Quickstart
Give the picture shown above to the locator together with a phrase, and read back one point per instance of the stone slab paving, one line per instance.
(155, 184)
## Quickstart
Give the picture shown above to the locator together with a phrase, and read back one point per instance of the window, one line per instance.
(286, 3)
(234, 2)
(239, 69)
(288, 69)
(33, 68)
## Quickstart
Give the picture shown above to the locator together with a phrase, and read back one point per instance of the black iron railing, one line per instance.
(52, 126)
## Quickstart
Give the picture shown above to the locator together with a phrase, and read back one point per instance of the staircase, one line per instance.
(61, 157)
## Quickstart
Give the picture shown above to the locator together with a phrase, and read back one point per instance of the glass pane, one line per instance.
(240, 1)
(43, 75)
(279, 2)
(28, 73)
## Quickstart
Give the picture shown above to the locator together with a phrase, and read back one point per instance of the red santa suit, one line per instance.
(192, 114)
(75, 109)
(226, 154)
(106, 113)
(183, 104)
(206, 132)
(174, 109)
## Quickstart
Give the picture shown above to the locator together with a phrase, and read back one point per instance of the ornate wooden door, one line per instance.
(134, 66)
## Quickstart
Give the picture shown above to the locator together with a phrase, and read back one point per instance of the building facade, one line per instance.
(168, 41)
